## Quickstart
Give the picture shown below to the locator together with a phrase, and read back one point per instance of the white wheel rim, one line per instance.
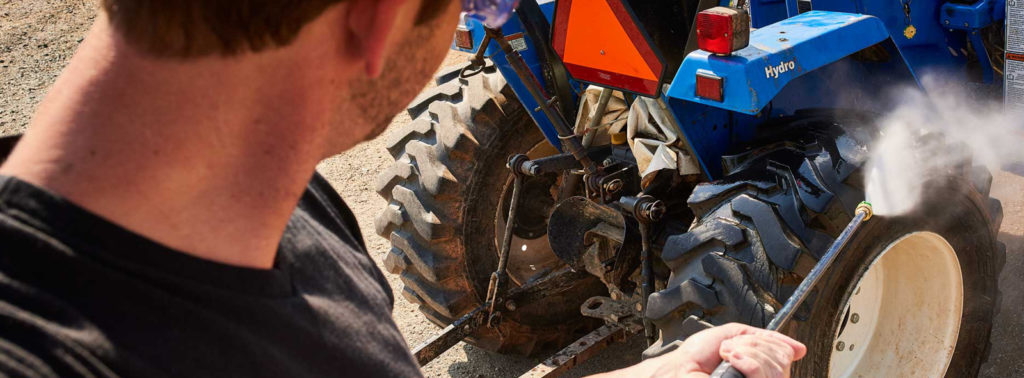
(907, 309)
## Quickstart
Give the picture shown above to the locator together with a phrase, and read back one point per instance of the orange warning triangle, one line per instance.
(595, 38)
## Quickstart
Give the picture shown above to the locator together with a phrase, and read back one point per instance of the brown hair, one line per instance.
(190, 28)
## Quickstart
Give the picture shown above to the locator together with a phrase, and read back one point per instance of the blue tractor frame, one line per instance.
(852, 58)
(800, 56)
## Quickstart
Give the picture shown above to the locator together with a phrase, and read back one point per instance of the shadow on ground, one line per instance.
(479, 362)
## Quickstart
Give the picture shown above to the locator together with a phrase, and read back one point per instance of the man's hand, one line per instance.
(755, 352)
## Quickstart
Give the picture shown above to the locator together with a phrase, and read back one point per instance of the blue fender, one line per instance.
(777, 55)
(815, 60)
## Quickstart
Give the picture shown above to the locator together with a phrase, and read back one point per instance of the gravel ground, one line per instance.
(37, 37)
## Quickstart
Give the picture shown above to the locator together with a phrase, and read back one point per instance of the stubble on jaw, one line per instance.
(410, 67)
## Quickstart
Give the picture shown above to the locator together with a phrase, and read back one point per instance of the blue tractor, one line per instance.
(601, 168)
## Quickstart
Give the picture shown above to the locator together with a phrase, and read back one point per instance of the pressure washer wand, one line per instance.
(861, 215)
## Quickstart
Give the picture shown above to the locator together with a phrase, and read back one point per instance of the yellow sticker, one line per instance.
(910, 31)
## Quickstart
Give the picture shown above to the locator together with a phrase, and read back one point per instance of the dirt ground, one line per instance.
(37, 37)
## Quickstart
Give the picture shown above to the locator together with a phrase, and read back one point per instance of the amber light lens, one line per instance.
(709, 87)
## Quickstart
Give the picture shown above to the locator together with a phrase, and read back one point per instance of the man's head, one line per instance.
(370, 57)
(190, 28)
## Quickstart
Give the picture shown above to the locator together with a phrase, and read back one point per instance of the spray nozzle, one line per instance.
(865, 207)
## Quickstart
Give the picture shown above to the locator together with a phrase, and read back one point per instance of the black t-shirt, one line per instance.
(80, 296)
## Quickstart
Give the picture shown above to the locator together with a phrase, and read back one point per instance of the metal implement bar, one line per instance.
(515, 164)
(431, 348)
(570, 141)
(863, 213)
(647, 284)
(582, 349)
(646, 209)
(472, 321)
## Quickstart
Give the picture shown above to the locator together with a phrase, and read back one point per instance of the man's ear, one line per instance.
(374, 24)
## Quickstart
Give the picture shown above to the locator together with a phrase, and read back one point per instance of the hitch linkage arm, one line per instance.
(570, 141)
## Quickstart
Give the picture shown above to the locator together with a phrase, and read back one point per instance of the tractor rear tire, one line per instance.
(762, 228)
(443, 191)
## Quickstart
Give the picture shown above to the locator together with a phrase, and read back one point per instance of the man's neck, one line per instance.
(189, 155)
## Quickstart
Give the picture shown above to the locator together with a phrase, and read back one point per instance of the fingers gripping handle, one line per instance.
(725, 370)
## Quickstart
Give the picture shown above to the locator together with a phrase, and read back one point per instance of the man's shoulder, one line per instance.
(37, 346)
(81, 292)
(323, 236)
(43, 335)
(323, 204)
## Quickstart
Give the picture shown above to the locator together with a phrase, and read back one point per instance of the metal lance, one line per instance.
(862, 214)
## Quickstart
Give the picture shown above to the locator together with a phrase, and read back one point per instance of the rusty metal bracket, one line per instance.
(608, 309)
(646, 209)
(498, 278)
(472, 321)
(451, 335)
(584, 348)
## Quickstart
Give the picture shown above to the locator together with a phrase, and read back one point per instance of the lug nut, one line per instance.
(854, 319)
(840, 346)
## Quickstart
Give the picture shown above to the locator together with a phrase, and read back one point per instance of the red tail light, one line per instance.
(709, 86)
(722, 30)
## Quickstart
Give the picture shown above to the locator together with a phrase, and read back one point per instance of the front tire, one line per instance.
(934, 273)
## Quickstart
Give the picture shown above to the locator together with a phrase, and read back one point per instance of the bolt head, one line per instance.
(854, 319)
(840, 346)
(613, 186)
